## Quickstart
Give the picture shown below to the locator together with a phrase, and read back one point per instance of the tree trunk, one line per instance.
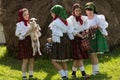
(40, 9)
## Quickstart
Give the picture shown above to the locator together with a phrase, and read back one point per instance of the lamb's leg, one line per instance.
(33, 46)
(39, 47)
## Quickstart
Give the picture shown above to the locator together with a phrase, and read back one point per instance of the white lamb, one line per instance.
(35, 36)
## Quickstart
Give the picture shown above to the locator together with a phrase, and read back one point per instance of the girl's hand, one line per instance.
(49, 40)
(98, 26)
(87, 30)
(31, 30)
(94, 27)
(82, 36)
(79, 35)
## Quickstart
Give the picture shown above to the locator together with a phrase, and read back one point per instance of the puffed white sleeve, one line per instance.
(70, 21)
(70, 32)
(56, 32)
(20, 32)
(103, 24)
(85, 23)
(55, 29)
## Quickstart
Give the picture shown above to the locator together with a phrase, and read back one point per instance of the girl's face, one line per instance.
(89, 12)
(77, 11)
(53, 15)
(26, 15)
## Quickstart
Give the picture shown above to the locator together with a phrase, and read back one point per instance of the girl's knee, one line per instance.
(25, 61)
(53, 62)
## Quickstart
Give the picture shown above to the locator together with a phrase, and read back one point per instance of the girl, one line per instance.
(61, 35)
(98, 42)
(25, 51)
(80, 26)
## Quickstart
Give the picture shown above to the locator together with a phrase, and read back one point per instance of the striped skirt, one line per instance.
(62, 51)
(78, 51)
(25, 49)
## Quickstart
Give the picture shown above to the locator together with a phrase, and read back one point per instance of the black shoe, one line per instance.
(73, 72)
(24, 78)
(32, 78)
(64, 78)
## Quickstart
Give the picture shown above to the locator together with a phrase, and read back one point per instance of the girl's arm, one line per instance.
(22, 32)
(102, 24)
(29, 31)
(79, 35)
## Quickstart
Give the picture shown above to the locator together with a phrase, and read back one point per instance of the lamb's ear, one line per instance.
(31, 18)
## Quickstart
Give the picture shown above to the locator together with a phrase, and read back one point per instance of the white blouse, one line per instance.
(100, 21)
(77, 27)
(58, 28)
(21, 30)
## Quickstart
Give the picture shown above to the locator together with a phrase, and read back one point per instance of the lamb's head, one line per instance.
(33, 22)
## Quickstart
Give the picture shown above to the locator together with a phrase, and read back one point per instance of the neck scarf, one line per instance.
(20, 17)
(64, 21)
(78, 18)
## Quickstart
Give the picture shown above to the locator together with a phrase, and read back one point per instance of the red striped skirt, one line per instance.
(25, 49)
(78, 52)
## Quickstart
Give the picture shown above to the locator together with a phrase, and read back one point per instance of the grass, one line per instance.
(10, 67)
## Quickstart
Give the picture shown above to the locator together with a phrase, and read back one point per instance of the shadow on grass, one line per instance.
(109, 55)
(100, 76)
(44, 64)
(8, 58)
(92, 77)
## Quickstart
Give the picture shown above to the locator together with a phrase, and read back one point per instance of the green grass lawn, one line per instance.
(10, 67)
